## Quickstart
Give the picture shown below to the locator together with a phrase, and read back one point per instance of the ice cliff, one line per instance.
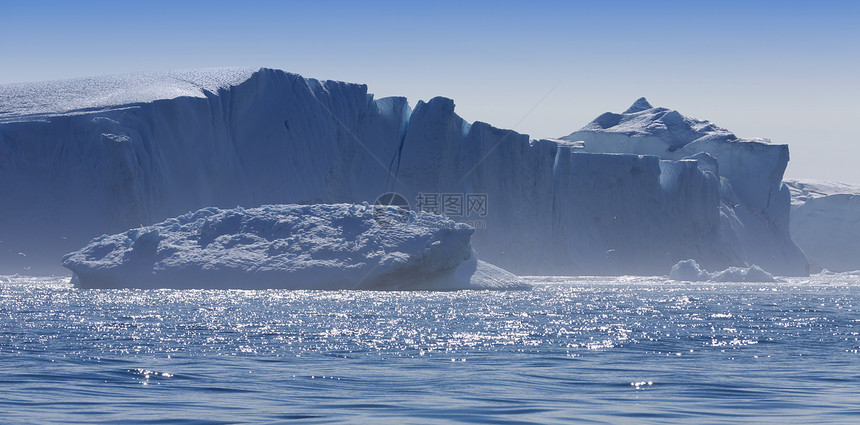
(86, 157)
(825, 223)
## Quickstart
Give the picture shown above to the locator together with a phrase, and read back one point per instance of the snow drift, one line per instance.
(290, 247)
(825, 223)
(81, 158)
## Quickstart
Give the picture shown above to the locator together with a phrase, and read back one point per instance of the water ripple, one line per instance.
(598, 350)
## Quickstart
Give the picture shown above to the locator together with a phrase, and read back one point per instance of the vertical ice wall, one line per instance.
(551, 210)
(825, 223)
(273, 138)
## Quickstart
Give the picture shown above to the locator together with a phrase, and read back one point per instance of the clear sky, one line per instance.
(788, 71)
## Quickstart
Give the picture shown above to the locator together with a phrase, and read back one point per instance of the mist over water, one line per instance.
(599, 350)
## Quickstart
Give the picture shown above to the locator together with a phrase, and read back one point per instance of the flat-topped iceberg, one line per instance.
(339, 246)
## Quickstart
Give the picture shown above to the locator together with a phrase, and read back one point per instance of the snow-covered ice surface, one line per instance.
(689, 270)
(754, 204)
(804, 190)
(290, 247)
(75, 164)
(825, 223)
(86, 95)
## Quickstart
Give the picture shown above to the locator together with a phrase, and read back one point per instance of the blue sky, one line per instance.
(778, 69)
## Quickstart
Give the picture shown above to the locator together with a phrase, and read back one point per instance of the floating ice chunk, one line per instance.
(340, 246)
(689, 270)
(740, 274)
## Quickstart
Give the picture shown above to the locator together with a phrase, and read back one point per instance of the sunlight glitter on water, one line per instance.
(600, 349)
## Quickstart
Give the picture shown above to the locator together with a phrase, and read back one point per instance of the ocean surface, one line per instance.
(590, 350)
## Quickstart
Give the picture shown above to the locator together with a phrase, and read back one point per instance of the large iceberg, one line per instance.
(754, 203)
(825, 223)
(290, 247)
(81, 158)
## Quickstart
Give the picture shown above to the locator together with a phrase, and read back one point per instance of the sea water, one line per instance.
(594, 350)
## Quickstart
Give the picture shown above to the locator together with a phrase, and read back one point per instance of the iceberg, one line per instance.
(690, 271)
(825, 223)
(81, 158)
(339, 246)
(754, 203)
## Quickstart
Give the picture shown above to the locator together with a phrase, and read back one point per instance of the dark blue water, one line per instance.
(593, 350)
